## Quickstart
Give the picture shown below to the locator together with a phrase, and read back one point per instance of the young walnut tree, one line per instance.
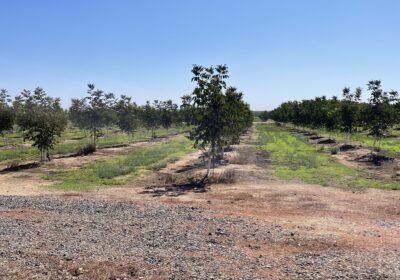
(93, 112)
(127, 115)
(219, 115)
(41, 119)
(380, 114)
(150, 116)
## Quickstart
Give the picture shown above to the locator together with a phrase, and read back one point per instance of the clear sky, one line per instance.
(276, 50)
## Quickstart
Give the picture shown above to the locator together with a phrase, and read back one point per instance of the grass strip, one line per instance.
(63, 148)
(388, 144)
(122, 169)
(295, 159)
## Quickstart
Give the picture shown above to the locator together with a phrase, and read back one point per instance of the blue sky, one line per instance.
(276, 50)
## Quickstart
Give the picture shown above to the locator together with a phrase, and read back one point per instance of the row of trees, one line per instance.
(100, 109)
(216, 113)
(42, 120)
(347, 114)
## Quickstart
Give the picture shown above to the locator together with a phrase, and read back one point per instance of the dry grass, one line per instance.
(167, 178)
(226, 176)
(240, 156)
(104, 270)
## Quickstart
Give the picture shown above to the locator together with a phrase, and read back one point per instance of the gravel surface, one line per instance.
(73, 238)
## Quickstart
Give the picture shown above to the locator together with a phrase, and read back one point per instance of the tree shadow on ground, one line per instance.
(375, 159)
(18, 167)
(175, 189)
(189, 167)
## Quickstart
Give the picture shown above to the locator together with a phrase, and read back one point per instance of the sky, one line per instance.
(275, 50)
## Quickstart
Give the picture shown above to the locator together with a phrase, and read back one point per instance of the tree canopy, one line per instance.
(6, 114)
(349, 114)
(219, 114)
(41, 118)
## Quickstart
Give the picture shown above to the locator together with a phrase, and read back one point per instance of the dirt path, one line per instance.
(31, 182)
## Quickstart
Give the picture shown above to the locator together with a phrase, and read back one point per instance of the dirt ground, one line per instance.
(244, 225)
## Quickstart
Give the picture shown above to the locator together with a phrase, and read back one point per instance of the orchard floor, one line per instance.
(30, 181)
(164, 227)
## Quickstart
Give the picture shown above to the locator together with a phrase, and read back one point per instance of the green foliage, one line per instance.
(93, 112)
(208, 104)
(348, 115)
(264, 116)
(186, 110)
(168, 113)
(122, 169)
(379, 115)
(6, 114)
(219, 113)
(76, 113)
(237, 115)
(349, 110)
(86, 150)
(331, 120)
(150, 116)
(127, 115)
(41, 118)
(334, 151)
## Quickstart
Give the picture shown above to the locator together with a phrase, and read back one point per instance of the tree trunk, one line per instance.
(213, 155)
(94, 136)
(208, 168)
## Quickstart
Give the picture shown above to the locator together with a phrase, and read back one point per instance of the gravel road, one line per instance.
(75, 238)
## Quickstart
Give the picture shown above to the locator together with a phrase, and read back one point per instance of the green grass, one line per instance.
(256, 119)
(110, 139)
(391, 145)
(295, 159)
(9, 155)
(122, 169)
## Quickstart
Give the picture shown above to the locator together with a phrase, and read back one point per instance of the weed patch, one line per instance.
(123, 169)
(81, 145)
(295, 159)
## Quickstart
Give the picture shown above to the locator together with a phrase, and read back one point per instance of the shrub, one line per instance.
(86, 150)
(334, 151)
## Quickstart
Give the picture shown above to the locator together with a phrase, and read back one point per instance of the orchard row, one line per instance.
(214, 112)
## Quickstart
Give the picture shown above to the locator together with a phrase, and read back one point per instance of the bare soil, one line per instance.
(377, 166)
(164, 226)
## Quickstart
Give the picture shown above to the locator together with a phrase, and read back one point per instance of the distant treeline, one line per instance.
(348, 114)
